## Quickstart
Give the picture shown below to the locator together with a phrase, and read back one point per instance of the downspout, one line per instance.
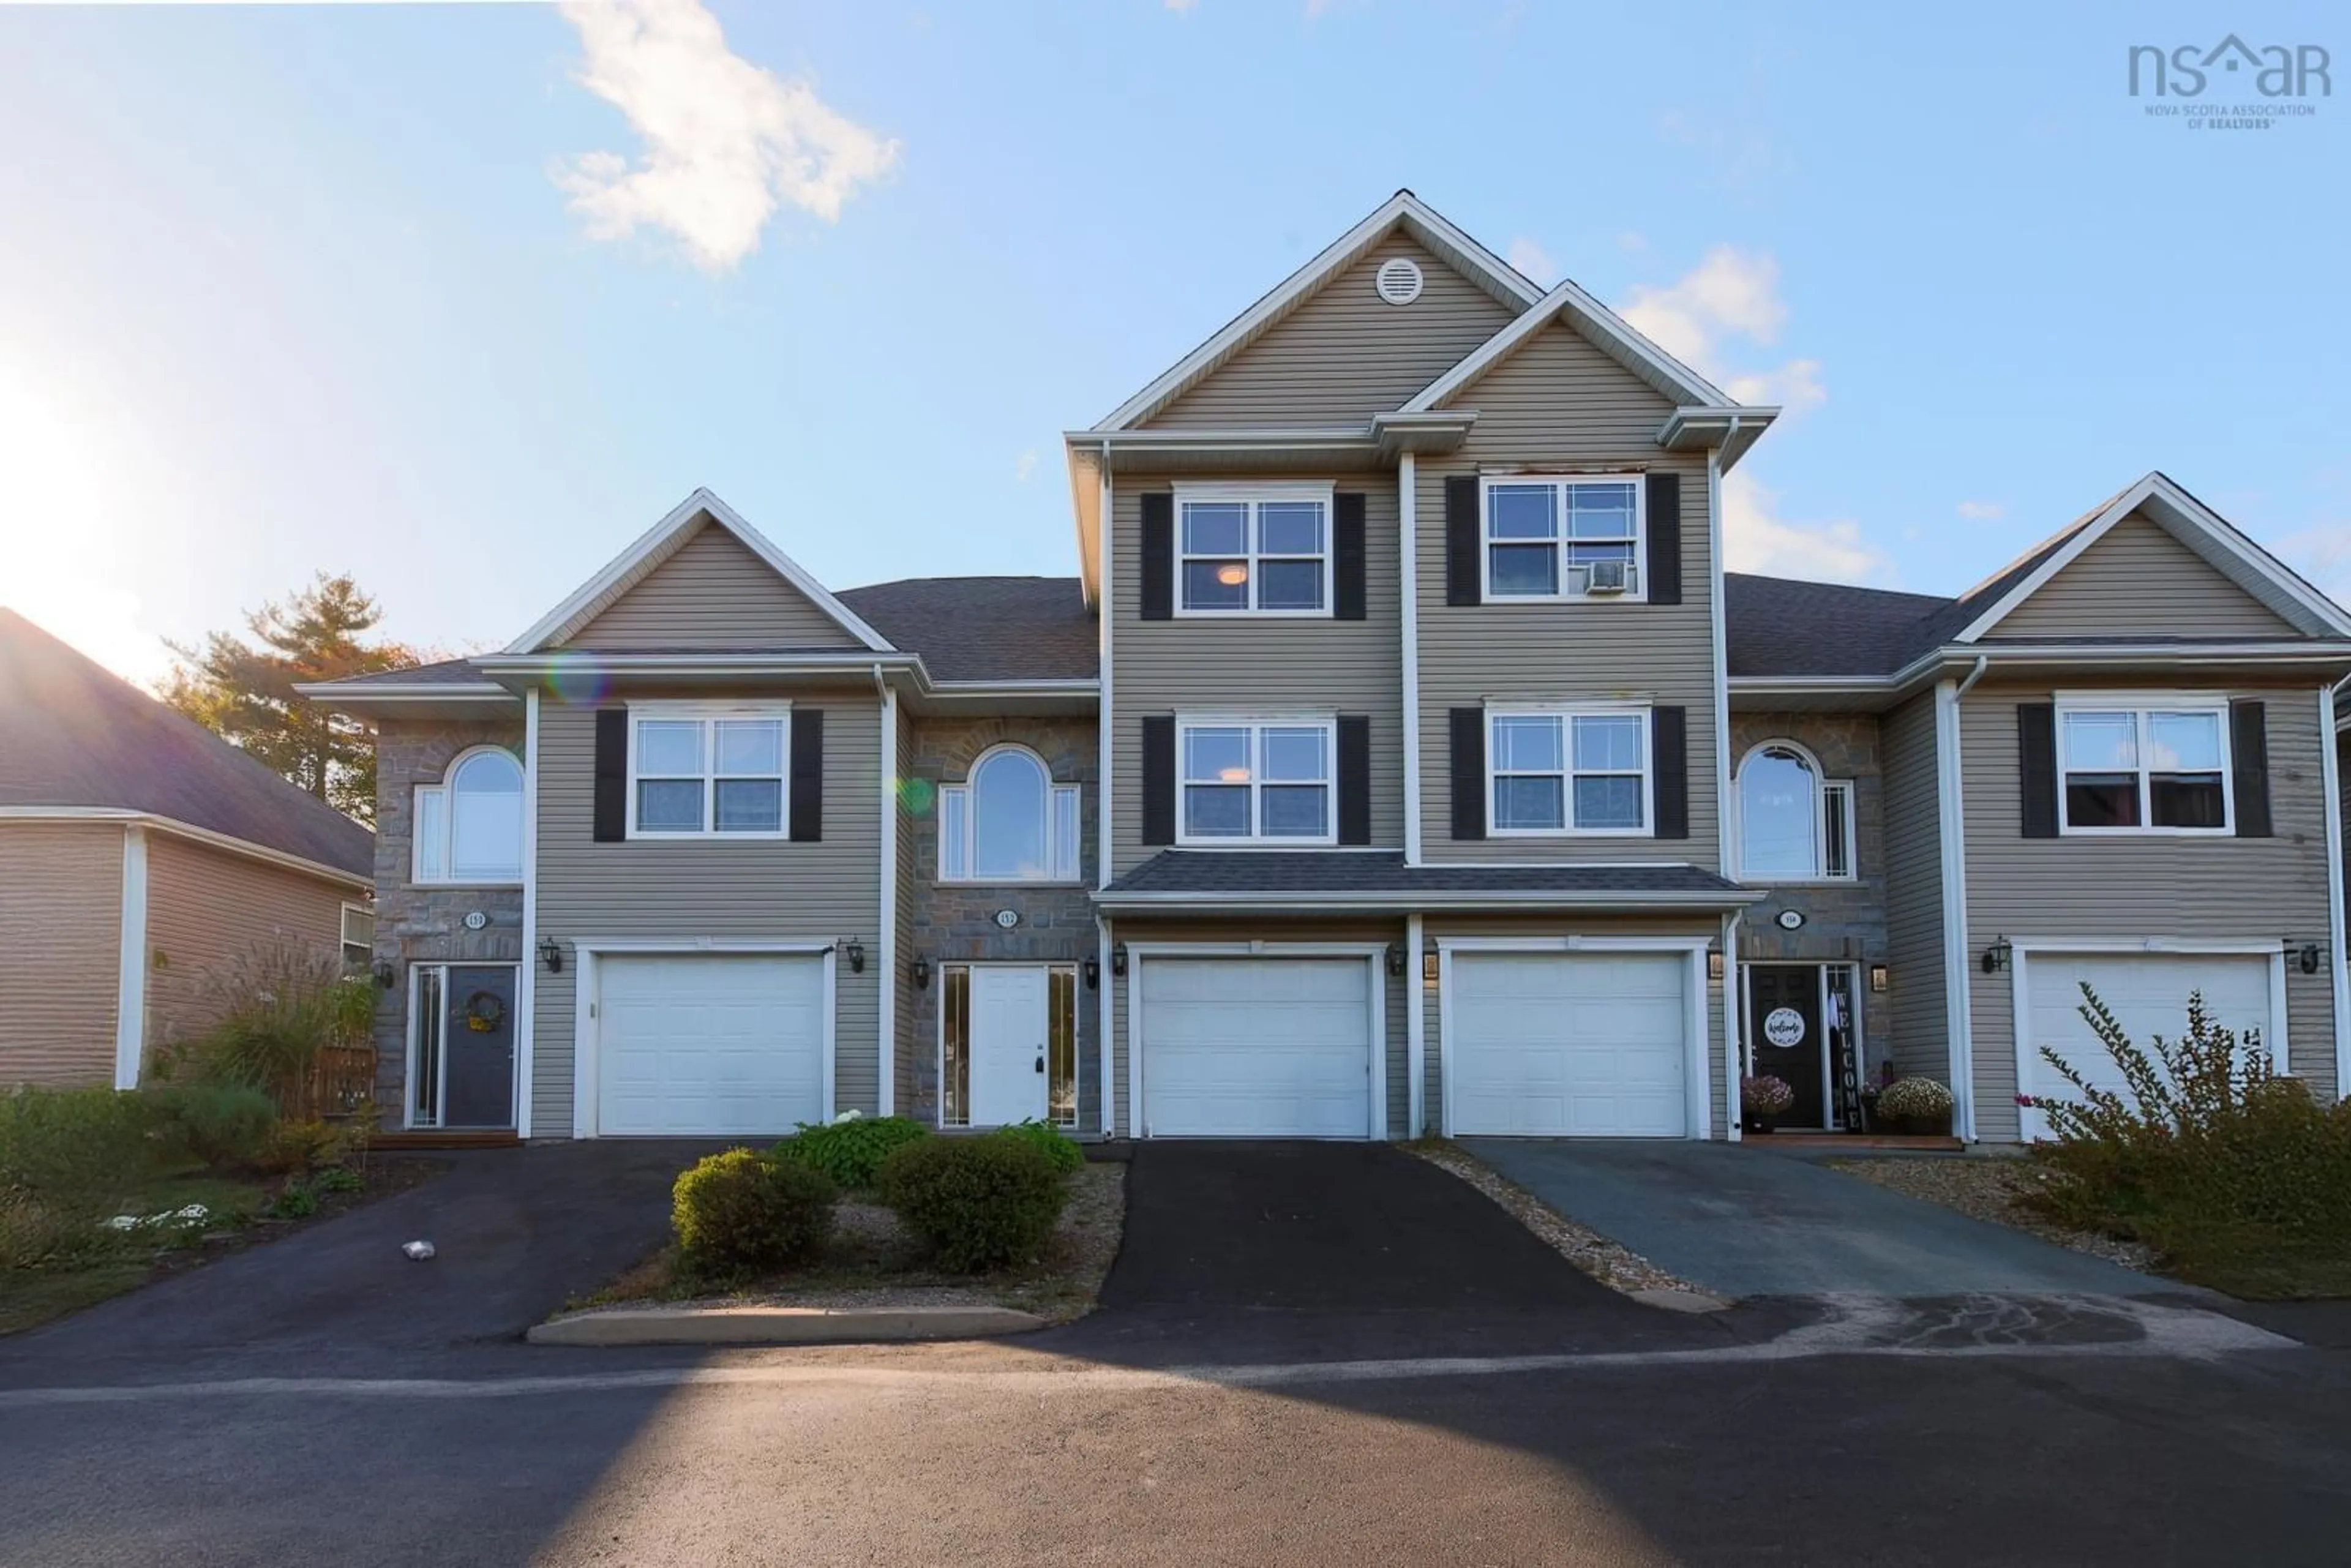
(1106, 607)
(1977, 674)
(1726, 860)
(2330, 771)
(885, 1021)
(1958, 1000)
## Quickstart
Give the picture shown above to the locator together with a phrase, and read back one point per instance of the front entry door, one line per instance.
(1008, 1045)
(478, 1032)
(1783, 1030)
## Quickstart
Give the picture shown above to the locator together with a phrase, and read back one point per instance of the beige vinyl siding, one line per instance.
(210, 914)
(2138, 580)
(1345, 354)
(683, 890)
(1914, 893)
(2223, 889)
(1271, 666)
(1396, 999)
(1561, 403)
(1452, 926)
(61, 929)
(713, 593)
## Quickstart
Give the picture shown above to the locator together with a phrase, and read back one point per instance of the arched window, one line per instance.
(1009, 822)
(468, 829)
(1793, 825)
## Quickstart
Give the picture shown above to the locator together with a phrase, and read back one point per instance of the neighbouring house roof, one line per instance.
(987, 628)
(74, 736)
(1355, 874)
(446, 673)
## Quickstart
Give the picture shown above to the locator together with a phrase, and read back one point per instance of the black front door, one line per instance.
(1783, 1030)
(478, 1033)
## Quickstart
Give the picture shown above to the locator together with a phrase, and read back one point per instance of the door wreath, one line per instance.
(484, 1011)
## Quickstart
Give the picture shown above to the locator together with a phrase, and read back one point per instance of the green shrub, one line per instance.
(337, 1178)
(978, 1203)
(299, 1148)
(74, 1150)
(1915, 1099)
(38, 1234)
(294, 1201)
(276, 1007)
(222, 1126)
(742, 1212)
(1060, 1151)
(850, 1147)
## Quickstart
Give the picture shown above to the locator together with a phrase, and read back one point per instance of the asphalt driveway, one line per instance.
(517, 1232)
(1742, 1221)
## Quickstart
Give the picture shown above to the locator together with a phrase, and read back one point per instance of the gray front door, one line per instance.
(478, 1032)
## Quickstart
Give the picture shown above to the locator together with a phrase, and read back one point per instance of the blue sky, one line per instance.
(291, 288)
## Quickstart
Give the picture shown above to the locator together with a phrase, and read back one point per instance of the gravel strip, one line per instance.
(1987, 1188)
(1616, 1266)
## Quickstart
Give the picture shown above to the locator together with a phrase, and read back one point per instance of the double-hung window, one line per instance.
(1256, 781)
(1009, 822)
(1576, 537)
(715, 771)
(2152, 768)
(467, 830)
(1257, 550)
(1569, 772)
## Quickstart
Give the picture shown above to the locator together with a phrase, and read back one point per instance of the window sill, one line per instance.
(1798, 881)
(636, 838)
(1011, 884)
(1569, 833)
(1181, 613)
(418, 886)
(1493, 598)
(1185, 843)
(2229, 831)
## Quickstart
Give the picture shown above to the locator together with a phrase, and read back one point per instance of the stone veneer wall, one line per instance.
(427, 925)
(1843, 922)
(953, 923)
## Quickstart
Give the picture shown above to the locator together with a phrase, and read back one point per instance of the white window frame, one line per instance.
(1822, 786)
(1567, 716)
(367, 948)
(447, 831)
(708, 713)
(1256, 724)
(959, 823)
(2139, 705)
(1561, 483)
(1252, 496)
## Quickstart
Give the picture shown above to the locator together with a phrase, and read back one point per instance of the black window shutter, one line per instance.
(1159, 778)
(2249, 755)
(1670, 770)
(1462, 527)
(1665, 509)
(807, 775)
(1158, 556)
(1469, 772)
(1347, 567)
(611, 813)
(2036, 767)
(1354, 779)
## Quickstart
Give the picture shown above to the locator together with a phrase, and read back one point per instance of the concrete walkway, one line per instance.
(1745, 1222)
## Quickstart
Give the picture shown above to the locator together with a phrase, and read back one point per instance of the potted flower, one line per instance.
(1919, 1105)
(1763, 1100)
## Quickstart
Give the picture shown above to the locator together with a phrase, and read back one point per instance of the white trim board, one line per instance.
(2330, 772)
(1958, 1004)
(130, 963)
(661, 541)
(526, 981)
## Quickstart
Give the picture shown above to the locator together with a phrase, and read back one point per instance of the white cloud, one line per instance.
(1532, 260)
(1024, 465)
(1181, 4)
(1732, 291)
(1795, 387)
(2321, 554)
(726, 142)
(1983, 511)
(1756, 539)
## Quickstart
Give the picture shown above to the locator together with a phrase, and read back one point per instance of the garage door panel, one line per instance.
(1556, 1044)
(1256, 1047)
(697, 1045)
(2148, 993)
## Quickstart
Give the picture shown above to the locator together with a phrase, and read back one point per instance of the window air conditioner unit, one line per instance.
(1604, 576)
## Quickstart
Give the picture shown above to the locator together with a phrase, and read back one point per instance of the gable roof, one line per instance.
(1605, 330)
(656, 545)
(987, 628)
(1474, 261)
(74, 736)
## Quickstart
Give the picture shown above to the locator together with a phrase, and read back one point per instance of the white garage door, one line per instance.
(1576, 1044)
(1256, 1047)
(2147, 994)
(706, 1045)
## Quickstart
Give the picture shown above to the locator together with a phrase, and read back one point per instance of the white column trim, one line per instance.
(1106, 613)
(2338, 964)
(1408, 618)
(1106, 1115)
(1734, 1027)
(1959, 1006)
(1717, 631)
(1416, 1024)
(885, 1024)
(526, 974)
(130, 963)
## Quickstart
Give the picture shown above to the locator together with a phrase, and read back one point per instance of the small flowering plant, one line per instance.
(1761, 1095)
(1919, 1099)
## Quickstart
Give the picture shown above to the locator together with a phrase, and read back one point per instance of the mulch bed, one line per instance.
(1991, 1187)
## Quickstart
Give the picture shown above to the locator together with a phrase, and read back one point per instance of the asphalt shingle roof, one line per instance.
(72, 733)
(448, 673)
(1384, 870)
(986, 628)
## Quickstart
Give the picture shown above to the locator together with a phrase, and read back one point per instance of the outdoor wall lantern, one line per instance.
(921, 973)
(856, 951)
(1428, 969)
(1092, 967)
(386, 975)
(1878, 977)
(2305, 953)
(1118, 960)
(1395, 961)
(1996, 957)
(1714, 965)
(550, 953)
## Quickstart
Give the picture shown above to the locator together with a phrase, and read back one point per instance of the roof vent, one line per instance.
(1398, 280)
